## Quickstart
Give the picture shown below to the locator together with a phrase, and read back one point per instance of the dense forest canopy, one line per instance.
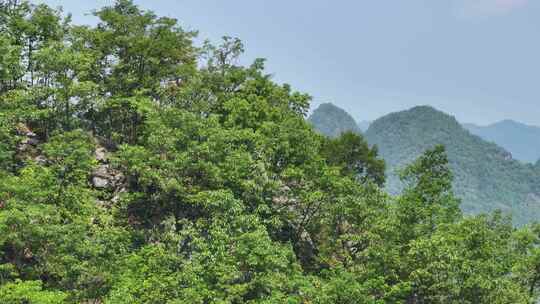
(138, 167)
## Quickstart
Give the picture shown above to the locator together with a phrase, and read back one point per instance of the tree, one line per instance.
(29, 292)
(468, 262)
(427, 200)
(352, 153)
(138, 51)
(426, 205)
(527, 268)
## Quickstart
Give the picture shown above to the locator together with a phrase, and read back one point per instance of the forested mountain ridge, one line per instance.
(330, 120)
(521, 140)
(138, 167)
(486, 176)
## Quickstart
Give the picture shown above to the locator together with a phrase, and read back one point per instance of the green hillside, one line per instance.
(332, 121)
(486, 177)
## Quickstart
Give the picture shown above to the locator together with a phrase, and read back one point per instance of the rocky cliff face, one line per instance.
(110, 181)
(107, 178)
(29, 146)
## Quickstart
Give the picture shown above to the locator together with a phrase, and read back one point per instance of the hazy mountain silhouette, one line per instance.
(331, 120)
(521, 140)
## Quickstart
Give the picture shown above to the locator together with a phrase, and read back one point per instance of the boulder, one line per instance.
(30, 141)
(103, 171)
(100, 182)
(101, 155)
(106, 177)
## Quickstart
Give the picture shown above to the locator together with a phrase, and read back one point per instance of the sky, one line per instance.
(478, 60)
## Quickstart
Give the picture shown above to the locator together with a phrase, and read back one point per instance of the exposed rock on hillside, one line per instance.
(107, 178)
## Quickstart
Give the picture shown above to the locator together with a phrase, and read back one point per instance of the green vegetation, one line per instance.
(331, 121)
(486, 176)
(138, 168)
(352, 153)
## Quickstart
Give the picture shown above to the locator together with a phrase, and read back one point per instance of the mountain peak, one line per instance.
(509, 121)
(332, 120)
(419, 117)
(424, 108)
(429, 110)
(329, 105)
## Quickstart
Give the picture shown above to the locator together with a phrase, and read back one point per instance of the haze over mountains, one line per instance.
(523, 141)
(487, 177)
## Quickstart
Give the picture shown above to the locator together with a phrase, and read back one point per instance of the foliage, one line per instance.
(29, 292)
(351, 152)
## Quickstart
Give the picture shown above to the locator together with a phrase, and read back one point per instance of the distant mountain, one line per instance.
(521, 140)
(364, 125)
(331, 120)
(486, 176)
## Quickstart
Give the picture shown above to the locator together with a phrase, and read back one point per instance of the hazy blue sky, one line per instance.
(476, 59)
